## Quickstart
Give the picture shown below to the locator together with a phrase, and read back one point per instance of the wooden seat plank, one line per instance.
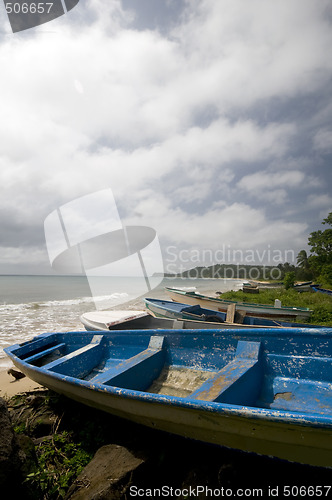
(140, 364)
(247, 355)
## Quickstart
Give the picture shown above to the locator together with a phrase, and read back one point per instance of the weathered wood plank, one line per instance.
(230, 313)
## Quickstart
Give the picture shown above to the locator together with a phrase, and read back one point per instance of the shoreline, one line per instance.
(10, 387)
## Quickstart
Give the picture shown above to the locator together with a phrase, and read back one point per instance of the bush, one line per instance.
(325, 277)
(60, 460)
(289, 280)
(320, 303)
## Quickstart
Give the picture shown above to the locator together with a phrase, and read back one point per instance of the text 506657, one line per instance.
(29, 8)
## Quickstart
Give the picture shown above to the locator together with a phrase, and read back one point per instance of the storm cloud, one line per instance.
(209, 120)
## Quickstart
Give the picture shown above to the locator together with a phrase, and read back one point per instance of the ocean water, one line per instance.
(30, 305)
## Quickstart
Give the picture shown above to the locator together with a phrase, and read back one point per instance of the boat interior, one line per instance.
(265, 369)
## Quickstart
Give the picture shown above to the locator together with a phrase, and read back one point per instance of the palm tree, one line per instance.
(302, 260)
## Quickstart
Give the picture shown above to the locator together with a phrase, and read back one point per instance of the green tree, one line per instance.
(285, 268)
(320, 261)
(289, 280)
(321, 241)
(302, 260)
(328, 219)
(303, 271)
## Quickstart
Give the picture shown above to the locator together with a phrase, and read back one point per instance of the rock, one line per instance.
(11, 456)
(27, 446)
(107, 476)
(31, 412)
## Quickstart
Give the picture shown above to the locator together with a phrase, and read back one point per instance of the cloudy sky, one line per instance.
(210, 121)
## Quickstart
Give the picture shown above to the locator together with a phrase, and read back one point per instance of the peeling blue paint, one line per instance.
(275, 379)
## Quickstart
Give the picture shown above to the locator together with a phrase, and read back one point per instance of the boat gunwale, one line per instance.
(176, 305)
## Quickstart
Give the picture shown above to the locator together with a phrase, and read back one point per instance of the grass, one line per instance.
(60, 460)
(66, 442)
(320, 303)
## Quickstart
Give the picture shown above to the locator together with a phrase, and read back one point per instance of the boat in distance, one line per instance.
(266, 391)
(304, 286)
(219, 304)
(145, 320)
(178, 311)
(318, 288)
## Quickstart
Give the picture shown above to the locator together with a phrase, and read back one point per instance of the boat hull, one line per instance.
(302, 444)
(108, 320)
(321, 290)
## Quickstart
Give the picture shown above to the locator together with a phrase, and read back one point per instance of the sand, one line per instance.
(10, 387)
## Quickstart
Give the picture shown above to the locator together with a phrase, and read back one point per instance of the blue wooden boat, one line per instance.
(178, 311)
(317, 288)
(266, 391)
(257, 310)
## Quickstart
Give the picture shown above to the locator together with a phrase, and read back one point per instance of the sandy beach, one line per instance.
(10, 387)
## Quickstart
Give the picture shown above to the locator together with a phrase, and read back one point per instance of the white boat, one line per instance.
(113, 319)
